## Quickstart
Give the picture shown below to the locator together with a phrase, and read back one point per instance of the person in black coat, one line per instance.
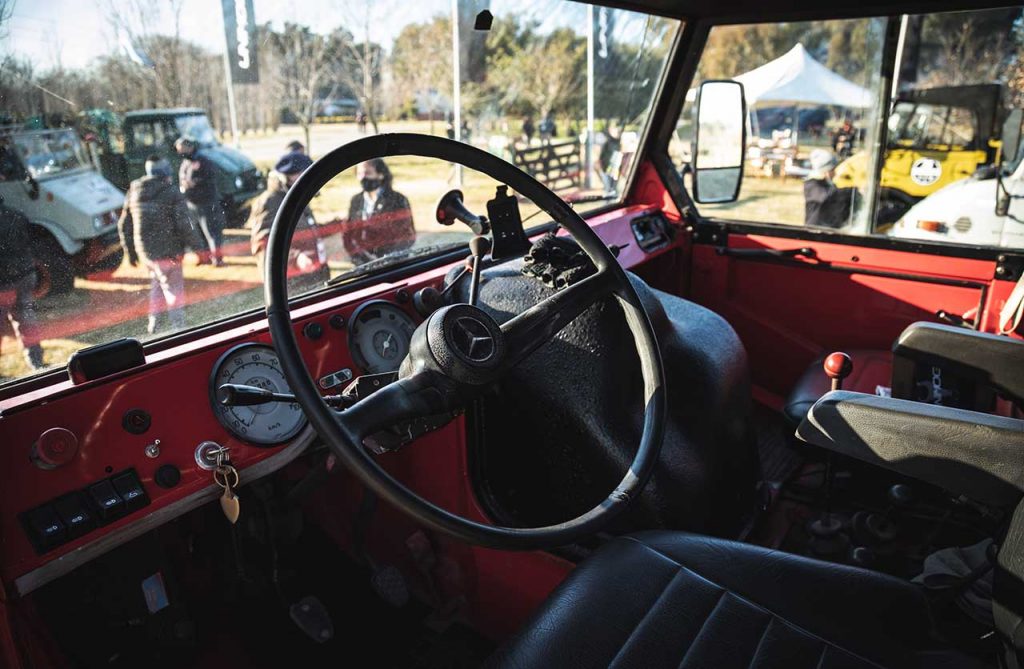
(826, 205)
(156, 228)
(18, 281)
(379, 218)
(197, 179)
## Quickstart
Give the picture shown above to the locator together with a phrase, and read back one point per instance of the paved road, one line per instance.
(266, 149)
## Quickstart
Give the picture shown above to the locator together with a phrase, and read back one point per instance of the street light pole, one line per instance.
(589, 153)
(229, 82)
(456, 86)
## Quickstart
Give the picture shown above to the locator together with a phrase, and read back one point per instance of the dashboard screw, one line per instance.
(153, 450)
(337, 321)
(402, 296)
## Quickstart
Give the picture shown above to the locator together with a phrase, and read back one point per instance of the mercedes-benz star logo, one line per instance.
(473, 339)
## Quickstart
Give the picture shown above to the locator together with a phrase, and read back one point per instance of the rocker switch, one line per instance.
(129, 488)
(75, 514)
(109, 505)
(45, 528)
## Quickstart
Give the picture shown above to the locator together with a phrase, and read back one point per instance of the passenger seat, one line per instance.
(929, 362)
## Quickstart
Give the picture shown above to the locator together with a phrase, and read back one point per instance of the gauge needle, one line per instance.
(386, 344)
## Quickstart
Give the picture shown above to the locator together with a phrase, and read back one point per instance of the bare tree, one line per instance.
(421, 61)
(545, 75)
(361, 59)
(305, 62)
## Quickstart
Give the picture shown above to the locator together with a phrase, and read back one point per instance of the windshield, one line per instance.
(923, 125)
(196, 127)
(47, 153)
(561, 89)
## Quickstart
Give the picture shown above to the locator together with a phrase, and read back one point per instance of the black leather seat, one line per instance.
(667, 599)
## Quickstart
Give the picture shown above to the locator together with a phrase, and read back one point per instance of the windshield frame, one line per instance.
(79, 151)
(182, 342)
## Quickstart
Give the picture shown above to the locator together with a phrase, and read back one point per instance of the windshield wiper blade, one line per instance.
(389, 261)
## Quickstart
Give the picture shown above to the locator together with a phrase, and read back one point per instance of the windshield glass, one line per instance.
(47, 153)
(197, 127)
(560, 89)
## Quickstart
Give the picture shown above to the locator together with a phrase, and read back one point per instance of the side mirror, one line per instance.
(719, 142)
(1008, 153)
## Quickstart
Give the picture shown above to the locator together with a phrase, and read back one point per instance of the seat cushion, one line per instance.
(668, 599)
(871, 369)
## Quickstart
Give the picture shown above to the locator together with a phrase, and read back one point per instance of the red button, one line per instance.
(55, 447)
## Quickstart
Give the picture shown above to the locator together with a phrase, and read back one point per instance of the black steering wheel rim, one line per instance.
(354, 456)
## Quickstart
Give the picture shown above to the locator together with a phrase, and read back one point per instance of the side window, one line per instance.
(814, 93)
(148, 136)
(818, 135)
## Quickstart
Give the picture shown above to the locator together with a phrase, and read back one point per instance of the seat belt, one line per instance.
(1012, 313)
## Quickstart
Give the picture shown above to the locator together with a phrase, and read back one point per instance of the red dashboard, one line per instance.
(171, 393)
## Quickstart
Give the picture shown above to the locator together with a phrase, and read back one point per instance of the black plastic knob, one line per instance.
(167, 476)
(313, 331)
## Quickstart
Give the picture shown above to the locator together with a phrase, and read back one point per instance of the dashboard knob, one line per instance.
(167, 476)
(54, 448)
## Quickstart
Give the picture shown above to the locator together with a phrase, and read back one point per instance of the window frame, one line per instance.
(401, 270)
(683, 70)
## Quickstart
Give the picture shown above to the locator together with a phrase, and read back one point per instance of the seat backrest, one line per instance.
(955, 366)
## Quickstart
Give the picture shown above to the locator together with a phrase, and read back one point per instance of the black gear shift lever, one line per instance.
(825, 531)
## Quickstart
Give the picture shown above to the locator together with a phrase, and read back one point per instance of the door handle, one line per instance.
(802, 252)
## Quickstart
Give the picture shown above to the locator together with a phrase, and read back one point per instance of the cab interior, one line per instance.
(647, 435)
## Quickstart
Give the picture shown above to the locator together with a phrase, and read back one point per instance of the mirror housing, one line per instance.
(720, 139)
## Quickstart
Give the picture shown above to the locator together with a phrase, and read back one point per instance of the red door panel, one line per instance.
(788, 311)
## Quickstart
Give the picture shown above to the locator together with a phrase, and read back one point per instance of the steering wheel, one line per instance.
(460, 349)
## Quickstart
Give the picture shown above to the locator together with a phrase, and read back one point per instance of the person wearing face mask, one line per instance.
(306, 256)
(379, 218)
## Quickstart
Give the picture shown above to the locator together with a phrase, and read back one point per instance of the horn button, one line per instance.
(463, 342)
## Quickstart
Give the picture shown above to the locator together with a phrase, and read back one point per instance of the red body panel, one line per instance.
(500, 588)
(788, 313)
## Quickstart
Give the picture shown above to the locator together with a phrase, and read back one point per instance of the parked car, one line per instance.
(47, 175)
(936, 136)
(123, 144)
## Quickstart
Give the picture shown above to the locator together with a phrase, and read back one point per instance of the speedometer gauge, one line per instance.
(378, 336)
(263, 424)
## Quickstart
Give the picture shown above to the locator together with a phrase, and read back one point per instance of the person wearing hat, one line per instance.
(156, 228)
(825, 205)
(18, 281)
(197, 179)
(306, 257)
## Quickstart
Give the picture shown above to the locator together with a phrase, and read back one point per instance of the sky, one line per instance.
(74, 32)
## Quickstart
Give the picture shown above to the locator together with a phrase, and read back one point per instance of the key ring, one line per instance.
(220, 476)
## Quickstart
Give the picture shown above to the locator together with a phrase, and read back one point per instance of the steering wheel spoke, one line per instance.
(528, 331)
(422, 395)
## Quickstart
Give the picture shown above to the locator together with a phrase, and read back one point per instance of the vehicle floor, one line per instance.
(224, 609)
(798, 493)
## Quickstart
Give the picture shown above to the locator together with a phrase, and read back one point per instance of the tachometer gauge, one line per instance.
(262, 424)
(378, 336)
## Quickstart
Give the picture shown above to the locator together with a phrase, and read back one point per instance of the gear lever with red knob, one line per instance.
(827, 540)
(838, 366)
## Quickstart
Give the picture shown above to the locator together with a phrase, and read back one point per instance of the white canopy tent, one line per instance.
(795, 78)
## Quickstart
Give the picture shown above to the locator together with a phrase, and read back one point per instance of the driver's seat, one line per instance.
(669, 599)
